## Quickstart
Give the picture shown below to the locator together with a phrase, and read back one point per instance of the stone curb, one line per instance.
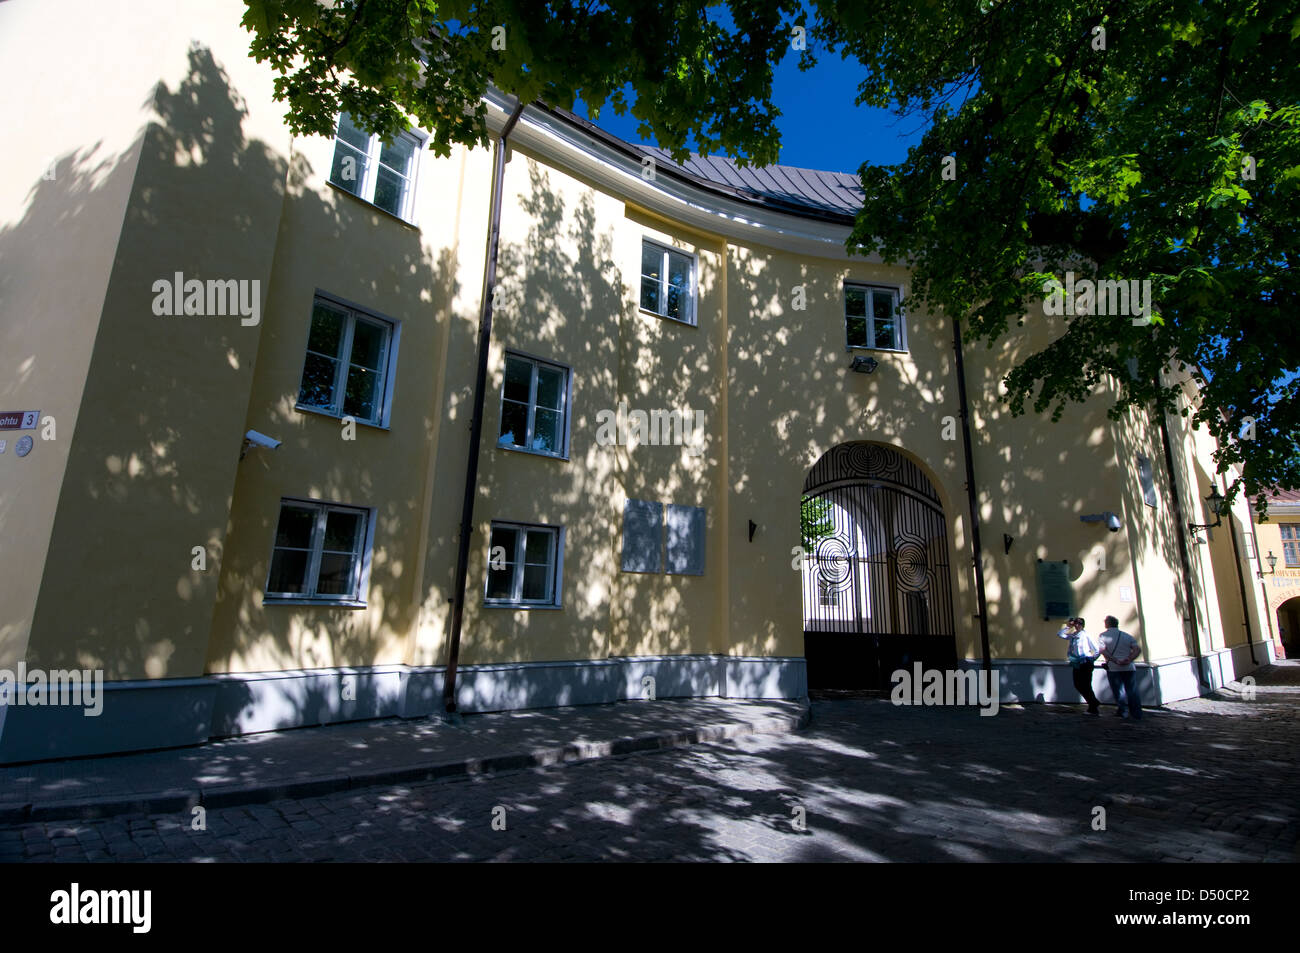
(178, 800)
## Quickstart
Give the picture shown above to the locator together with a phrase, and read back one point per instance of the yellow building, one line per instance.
(720, 456)
(1275, 549)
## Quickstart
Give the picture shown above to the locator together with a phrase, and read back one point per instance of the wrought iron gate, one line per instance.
(877, 593)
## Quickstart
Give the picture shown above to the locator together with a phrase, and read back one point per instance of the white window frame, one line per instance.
(361, 583)
(900, 320)
(565, 410)
(691, 319)
(556, 565)
(1291, 545)
(344, 358)
(370, 177)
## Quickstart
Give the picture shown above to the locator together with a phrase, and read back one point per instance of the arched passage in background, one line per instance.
(877, 589)
(1288, 622)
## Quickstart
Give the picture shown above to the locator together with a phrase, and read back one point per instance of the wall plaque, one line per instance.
(1055, 591)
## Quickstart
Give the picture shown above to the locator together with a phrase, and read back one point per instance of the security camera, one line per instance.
(255, 439)
(261, 440)
(1110, 519)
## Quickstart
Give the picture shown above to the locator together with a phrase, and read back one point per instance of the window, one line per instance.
(1291, 544)
(349, 357)
(667, 282)
(534, 406)
(871, 318)
(524, 566)
(382, 173)
(321, 553)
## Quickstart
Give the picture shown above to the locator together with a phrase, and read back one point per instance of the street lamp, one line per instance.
(1216, 503)
(1272, 565)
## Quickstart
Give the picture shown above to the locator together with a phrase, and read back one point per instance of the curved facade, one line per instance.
(671, 356)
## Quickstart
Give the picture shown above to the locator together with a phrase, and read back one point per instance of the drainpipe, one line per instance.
(476, 421)
(1241, 580)
(1180, 525)
(971, 498)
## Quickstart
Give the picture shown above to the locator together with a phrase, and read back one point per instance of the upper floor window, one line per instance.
(534, 406)
(1291, 544)
(667, 282)
(382, 173)
(347, 369)
(871, 318)
(320, 553)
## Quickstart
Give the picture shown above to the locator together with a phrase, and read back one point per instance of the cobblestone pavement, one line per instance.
(1203, 780)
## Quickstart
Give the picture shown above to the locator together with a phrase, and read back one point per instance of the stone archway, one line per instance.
(877, 590)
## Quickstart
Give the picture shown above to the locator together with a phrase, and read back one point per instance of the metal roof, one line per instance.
(777, 185)
(834, 196)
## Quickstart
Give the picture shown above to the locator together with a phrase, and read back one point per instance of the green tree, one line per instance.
(815, 520)
(1121, 140)
(1149, 140)
(693, 77)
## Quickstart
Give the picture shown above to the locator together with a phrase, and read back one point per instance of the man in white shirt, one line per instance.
(1120, 649)
(1082, 653)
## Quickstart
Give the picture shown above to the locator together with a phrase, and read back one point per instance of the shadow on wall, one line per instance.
(1048, 474)
(143, 483)
(1160, 542)
(380, 469)
(561, 297)
(64, 211)
(775, 424)
(153, 466)
(383, 469)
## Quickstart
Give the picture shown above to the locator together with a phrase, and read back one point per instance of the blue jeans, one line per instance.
(1128, 681)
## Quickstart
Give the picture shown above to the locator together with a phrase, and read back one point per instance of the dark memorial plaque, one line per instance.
(1055, 591)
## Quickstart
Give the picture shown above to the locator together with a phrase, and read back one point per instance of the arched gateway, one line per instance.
(877, 593)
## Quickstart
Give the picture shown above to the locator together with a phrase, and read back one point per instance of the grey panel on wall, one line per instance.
(643, 534)
(1148, 481)
(686, 539)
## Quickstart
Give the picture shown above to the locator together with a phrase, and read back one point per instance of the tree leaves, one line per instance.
(1165, 156)
(699, 83)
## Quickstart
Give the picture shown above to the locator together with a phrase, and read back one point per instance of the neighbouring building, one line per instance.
(720, 455)
(1275, 551)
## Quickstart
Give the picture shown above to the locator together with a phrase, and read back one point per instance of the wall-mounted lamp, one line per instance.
(1272, 565)
(752, 526)
(864, 365)
(1113, 522)
(1216, 507)
(1006, 543)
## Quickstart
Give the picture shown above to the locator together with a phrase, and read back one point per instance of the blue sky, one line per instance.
(821, 127)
